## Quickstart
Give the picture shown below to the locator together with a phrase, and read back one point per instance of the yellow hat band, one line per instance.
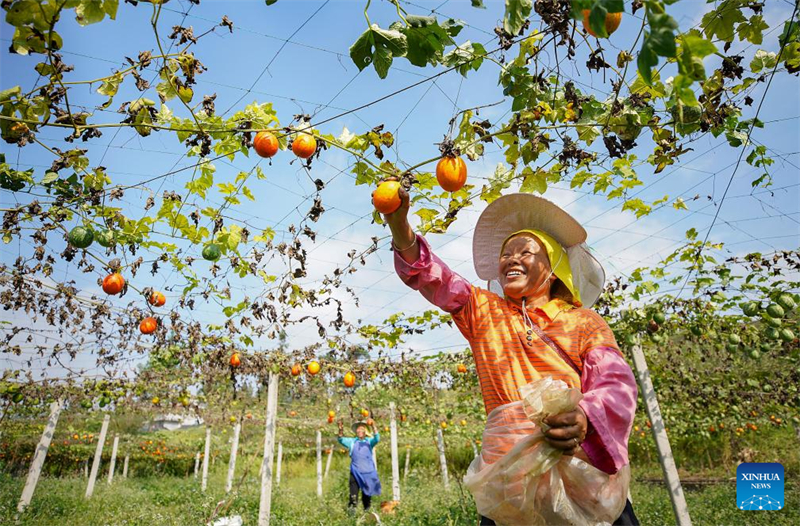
(559, 260)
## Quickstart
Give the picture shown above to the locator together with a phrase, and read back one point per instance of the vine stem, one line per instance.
(403, 18)
(50, 60)
(154, 22)
(122, 71)
(366, 8)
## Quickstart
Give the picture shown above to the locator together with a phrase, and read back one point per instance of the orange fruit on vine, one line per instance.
(296, 369)
(349, 379)
(157, 299)
(292, 413)
(113, 283)
(148, 325)
(386, 198)
(313, 367)
(330, 419)
(612, 22)
(364, 413)
(451, 172)
(304, 145)
(331, 414)
(265, 144)
(444, 425)
(236, 361)
(370, 421)
(461, 368)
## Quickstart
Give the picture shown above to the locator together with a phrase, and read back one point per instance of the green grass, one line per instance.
(178, 500)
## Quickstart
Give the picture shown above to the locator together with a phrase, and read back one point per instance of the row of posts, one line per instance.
(266, 473)
(40, 453)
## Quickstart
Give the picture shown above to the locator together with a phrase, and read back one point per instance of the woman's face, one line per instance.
(361, 431)
(523, 266)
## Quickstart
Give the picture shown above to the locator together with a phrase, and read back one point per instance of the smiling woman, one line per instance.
(536, 330)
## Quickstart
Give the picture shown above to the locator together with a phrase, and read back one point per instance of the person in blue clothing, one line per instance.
(363, 475)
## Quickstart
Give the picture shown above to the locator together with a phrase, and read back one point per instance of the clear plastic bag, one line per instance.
(520, 479)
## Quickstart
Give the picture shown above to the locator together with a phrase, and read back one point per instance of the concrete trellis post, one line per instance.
(98, 456)
(265, 504)
(395, 460)
(665, 457)
(278, 468)
(39, 455)
(328, 463)
(113, 462)
(196, 464)
(86, 468)
(206, 454)
(232, 462)
(442, 459)
(375, 457)
(319, 463)
(125, 467)
(408, 457)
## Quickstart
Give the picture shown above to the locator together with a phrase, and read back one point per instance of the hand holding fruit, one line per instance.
(403, 236)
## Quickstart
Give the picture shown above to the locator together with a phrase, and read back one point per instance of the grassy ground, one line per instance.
(179, 501)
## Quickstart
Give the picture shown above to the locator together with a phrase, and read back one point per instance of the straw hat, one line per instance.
(514, 212)
(361, 423)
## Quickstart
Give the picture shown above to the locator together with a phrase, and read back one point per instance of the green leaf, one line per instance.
(465, 57)
(364, 174)
(500, 180)
(109, 88)
(110, 7)
(89, 12)
(517, 11)
(719, 22)
(478, 4)
(49, 177)
(200, 185)
(270, 2)
(659, 41)
(6, 95)
(534, 181)
(753, 30)
(693, 48)
(637, 206)
(426, 214)
(597, 20)
(378, 47)
(426, 39)
(763, 61)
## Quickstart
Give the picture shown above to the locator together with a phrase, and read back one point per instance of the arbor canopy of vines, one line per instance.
(161, 251)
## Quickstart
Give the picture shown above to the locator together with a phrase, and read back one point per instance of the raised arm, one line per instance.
(419, 268)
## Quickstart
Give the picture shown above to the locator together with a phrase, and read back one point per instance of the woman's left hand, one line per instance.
(567, 430)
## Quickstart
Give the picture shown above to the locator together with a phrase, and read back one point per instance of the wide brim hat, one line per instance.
(360, 423)
(514, 212)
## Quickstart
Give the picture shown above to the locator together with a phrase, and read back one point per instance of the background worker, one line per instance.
(363, 474)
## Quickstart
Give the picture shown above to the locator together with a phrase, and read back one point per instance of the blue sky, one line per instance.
(312, 73)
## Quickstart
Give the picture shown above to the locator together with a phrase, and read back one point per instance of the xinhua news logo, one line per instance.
(759, 486)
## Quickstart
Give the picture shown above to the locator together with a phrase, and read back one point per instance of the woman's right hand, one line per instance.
(403, 235)
(399, 218)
